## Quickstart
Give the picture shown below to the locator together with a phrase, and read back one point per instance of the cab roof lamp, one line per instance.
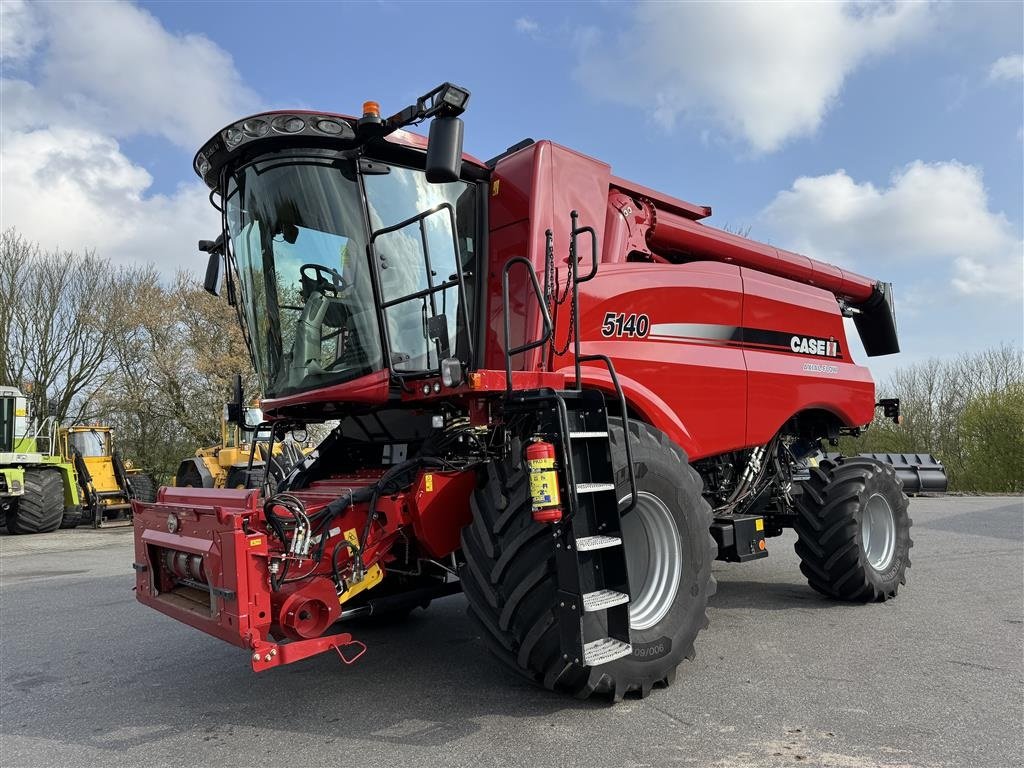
(371, 109)
(455, 97)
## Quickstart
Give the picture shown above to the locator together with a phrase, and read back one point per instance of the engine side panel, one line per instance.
(717, 356)
(804, 362)
(685, 356)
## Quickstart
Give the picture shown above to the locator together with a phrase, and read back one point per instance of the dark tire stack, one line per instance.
(143, 487)
(835, 555)
(41, 508)
(509, 575)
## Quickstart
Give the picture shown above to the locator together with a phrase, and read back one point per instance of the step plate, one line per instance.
(584, 435)
(598, 652)
(603, 599)
(594, 487)
(590, 543)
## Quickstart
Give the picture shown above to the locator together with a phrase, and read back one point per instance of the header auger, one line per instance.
(557, 390)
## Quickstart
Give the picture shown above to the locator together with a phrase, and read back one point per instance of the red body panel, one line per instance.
(704, 385)
(694, 384)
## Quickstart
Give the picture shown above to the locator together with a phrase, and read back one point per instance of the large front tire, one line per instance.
(510, 578)
(854, 530)
(41, 508)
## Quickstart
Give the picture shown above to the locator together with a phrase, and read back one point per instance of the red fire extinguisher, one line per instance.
(540, 461)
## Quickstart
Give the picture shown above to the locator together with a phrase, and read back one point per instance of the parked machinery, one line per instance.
(558, 391)
(38, 489)
(240, 460)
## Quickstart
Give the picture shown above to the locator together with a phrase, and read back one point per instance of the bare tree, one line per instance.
(61, 314)
(175, 360)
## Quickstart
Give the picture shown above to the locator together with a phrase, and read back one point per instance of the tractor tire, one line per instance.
(509, 576)
(191, 478)
(41, 508)
(73, 517)
(853, 530)
(143, 487)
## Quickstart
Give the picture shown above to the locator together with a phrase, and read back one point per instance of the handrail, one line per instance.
(510, 352)
(625, 425)
(50, 424)
(576, 280)
(431, 290)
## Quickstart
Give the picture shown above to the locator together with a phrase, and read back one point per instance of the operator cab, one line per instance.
(349, 259)
(90, 442)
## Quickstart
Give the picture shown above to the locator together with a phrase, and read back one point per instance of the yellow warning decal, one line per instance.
(20, 412)
(544, 489)
(759, 524)
(495, 186)
(372, 577)
(428, 483)
(255, 542)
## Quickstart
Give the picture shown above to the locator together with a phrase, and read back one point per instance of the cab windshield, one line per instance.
(297, 222)
(90, 444)
(298, 238)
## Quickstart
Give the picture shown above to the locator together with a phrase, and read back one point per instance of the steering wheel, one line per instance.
(327, 281)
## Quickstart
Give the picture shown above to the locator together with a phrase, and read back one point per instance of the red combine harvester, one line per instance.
(557, 392)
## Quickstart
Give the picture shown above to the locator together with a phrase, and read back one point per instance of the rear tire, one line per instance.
(41, 508)
(510, 578)
(143, 488)
(853, 530)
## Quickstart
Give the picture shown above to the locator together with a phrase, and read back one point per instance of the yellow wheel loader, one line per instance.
(108, 484)
(240, 460)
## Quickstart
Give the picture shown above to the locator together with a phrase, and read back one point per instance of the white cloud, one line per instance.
(19, 30)
(75, 189)
(527, 25)
(1010, 68)
(97, 73)
(764, 72)
(113, 67)
(935, 216)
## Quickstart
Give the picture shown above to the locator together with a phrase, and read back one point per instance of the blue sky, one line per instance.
(884, 137)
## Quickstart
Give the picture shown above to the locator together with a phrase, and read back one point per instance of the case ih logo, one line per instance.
(810, 345)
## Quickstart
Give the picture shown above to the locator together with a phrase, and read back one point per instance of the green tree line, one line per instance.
(968, 411)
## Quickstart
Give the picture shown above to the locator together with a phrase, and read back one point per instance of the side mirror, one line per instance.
(215, 248)
(236, 414)
(212, 281)
(444, 150)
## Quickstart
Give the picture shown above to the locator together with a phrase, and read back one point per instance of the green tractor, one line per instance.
(38, 489)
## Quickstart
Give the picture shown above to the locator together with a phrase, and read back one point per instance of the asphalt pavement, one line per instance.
(783, 677)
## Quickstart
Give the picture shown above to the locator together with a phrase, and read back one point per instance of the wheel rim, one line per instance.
(654, 559)
(878, 532)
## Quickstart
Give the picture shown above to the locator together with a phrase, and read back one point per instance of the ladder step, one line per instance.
(590, 543)
(602, 599)
(594, 487)
(598, 652)
(583, 435)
